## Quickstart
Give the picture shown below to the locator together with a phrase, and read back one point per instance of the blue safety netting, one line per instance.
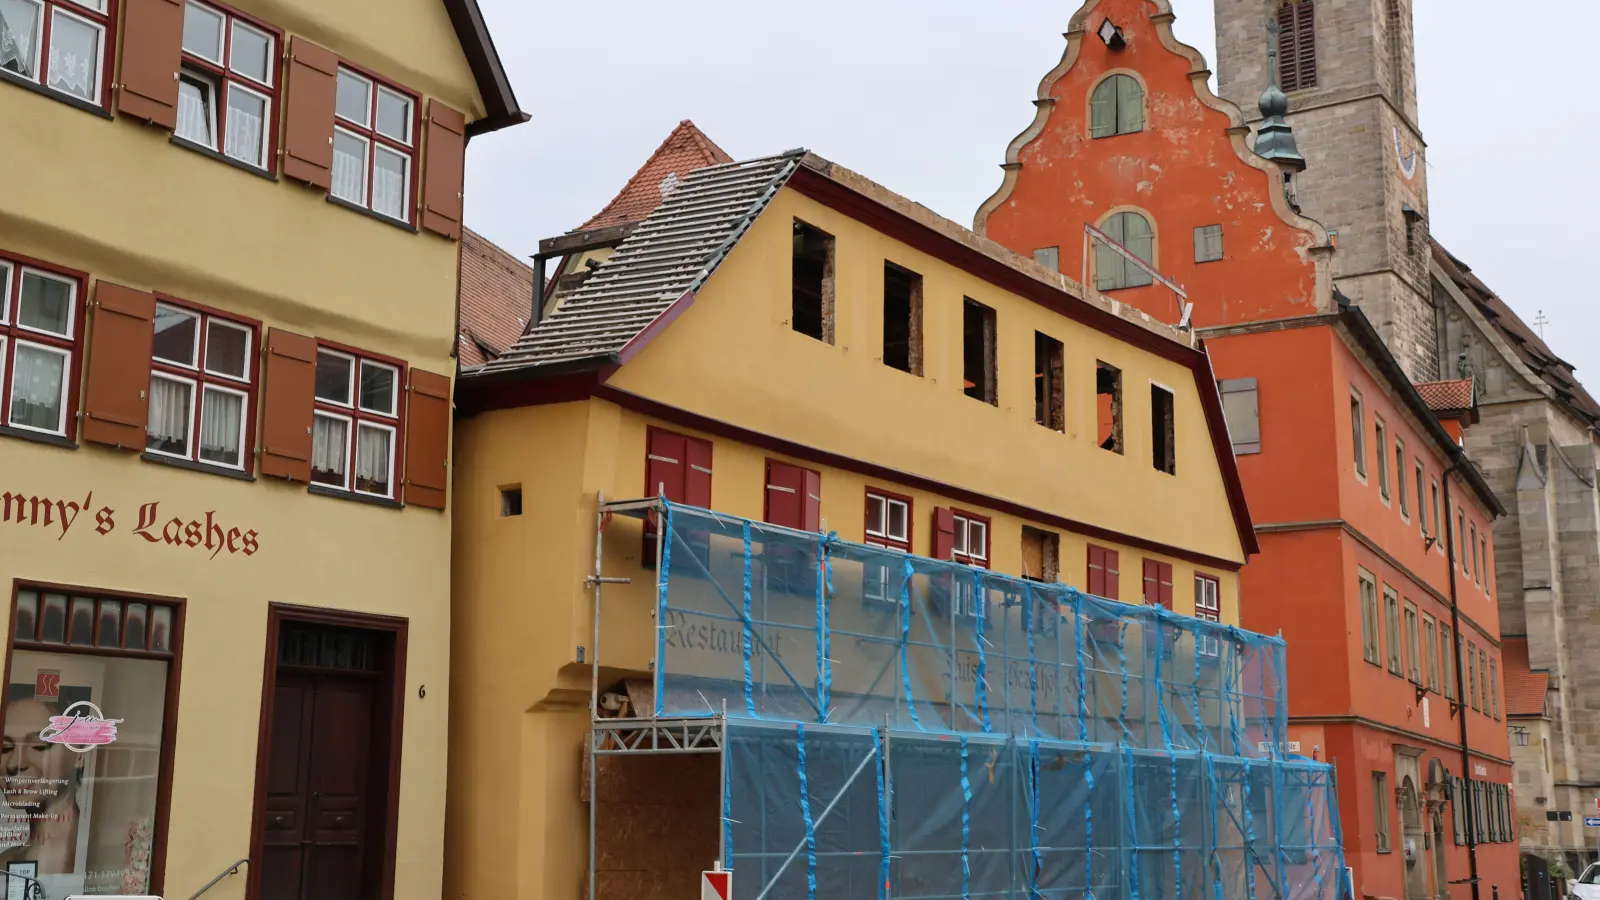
(909, 728)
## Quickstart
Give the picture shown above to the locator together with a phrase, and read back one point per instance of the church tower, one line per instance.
(1349, 71)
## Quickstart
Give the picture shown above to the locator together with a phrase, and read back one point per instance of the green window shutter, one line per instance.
(1130, 105)
(1141, 243)
(1102, 109)
(1107, 262)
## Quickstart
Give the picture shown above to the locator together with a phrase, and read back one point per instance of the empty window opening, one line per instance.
(1108, 406)
(1208, 243)
(1041, 555)
(813, 283)
(1049, 394)
(1241, 410)
(1116, 107)
(1049, 257)
(510, 501)
(1163, 454)
(1112, 269)
(977, 352)
(902, 319)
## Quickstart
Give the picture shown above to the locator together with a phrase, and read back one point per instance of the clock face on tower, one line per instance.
(1405, 154)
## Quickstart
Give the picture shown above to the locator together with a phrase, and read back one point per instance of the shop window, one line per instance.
(357, 418)
(202, 387)
(902, 319)
(226, 88)
(1108, 407)
(977, 352)
(812, 310)
(1242, 411)
(1049, 394)
(1163, 450)
(87, 726)
(60, 45)
(39, 313)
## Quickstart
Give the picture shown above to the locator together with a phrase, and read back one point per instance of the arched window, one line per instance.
(1116, 107)
(1112, 269)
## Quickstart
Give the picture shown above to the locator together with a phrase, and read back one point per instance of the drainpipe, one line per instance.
(1470, 813)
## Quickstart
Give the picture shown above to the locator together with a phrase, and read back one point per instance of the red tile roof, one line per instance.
(685, 149)
(496, 298)
(1525, 688)
(1447, 395)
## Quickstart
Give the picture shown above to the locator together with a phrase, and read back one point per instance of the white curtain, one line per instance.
(220, 415)
(349, 168)
(194, 114)
(372, 456)
(328, 444)
(389, 187)
(169, 412)
(18, 21)
(36, 389)
(244, 127)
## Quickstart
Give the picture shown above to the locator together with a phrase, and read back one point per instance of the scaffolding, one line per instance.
(893, 726)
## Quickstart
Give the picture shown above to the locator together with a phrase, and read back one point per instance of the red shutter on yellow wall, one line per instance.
(152, 45)
(811, 499)
(1097, 571)
(116, 383)
(308, 119)
(1152, 582)
(784, 486)
(697, 473)
(944, 533)
(1111, 575)
(446, 165)
(288, 397)
(428, 439)
(663, 465)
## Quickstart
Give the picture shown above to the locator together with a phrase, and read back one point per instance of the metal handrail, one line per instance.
(32, 889)
(230, 870)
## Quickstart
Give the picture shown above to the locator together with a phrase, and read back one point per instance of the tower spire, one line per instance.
(1275, 138)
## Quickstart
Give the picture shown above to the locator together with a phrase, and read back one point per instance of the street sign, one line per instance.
(1591, 821)
(716, 885)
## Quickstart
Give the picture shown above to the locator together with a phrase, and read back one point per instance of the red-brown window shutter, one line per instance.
(664, 464)
(785, 484)
(697, 474)
(447, 159)
(428, 439)
(811, 495)
(1152, 582)
(152, 46)
(1164, 574)
(944, 533)
(1111, 576)
(288, 396)
(308, 122)
(116, 400)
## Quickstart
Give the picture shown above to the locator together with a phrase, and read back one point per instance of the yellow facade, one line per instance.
(113, 198)
(731, 370)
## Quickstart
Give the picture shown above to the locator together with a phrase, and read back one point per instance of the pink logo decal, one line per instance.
(81, 729)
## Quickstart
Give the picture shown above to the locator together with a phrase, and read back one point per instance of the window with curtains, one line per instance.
(374, 145)
(60, 44)
(1112, 269)
(357, 419)
(39, 313)
(226, 87)
(1116, 107)
(202, 387)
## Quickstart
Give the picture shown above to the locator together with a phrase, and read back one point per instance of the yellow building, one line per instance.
(228, 251)
(785, 341)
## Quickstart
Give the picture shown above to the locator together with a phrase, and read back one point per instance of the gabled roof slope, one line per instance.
(499, 102)
(496, 297)
(685, 150)
(666, 259)
(1443, 396)
(1524, 341)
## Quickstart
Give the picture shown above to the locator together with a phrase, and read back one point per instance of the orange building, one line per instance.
(1374, 529)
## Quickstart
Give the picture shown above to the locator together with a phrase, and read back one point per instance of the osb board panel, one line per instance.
(657, 824)
(677, 885)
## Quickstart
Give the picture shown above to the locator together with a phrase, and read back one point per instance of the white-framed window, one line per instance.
(73, 64)
(356, 425)
(888, 525)
(226, 87)
(202, 387)
(38, 327)
(971, 539)
(374, 145)
(1208, 608)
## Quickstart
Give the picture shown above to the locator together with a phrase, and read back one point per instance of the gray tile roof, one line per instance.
(671, 253)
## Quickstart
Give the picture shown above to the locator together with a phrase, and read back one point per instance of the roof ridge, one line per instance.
(685, 132)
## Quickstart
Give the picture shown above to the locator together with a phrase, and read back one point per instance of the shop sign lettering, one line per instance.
(153, 524)
(82, 729)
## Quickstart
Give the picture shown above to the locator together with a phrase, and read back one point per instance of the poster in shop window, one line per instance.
(78, 780)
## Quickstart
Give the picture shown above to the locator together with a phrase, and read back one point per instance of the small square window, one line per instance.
(354, 98)
(1208, 243)
(202, 32)
(227, 350)
(334, 374)
(510, 501)
(378, 388)
(251, 55)
(177, 336)
(394, 115)
(46, 304)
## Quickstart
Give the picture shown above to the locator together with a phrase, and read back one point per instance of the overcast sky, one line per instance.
(924, 95)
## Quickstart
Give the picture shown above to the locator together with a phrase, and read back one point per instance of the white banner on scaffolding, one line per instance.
(716, 885)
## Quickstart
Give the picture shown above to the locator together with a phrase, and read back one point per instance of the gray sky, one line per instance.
(923, 95)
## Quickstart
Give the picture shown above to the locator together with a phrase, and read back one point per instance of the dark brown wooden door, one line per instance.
(315, 828)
